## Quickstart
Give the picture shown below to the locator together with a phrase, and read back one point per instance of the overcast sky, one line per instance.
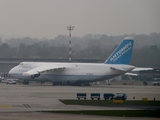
(49, 18)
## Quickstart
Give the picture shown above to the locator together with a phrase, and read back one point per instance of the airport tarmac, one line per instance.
(45, 97)
(56, 116)
(34, 97)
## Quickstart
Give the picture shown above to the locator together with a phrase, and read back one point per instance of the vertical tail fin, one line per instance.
(122, 54)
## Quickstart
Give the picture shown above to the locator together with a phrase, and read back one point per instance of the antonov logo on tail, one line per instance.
(122, 51)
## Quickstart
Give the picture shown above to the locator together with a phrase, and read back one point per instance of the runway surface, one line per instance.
(31, 98)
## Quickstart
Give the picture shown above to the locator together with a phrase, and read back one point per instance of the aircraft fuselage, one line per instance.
(73, 72)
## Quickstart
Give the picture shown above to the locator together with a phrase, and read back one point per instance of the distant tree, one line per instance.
(4, 50)
(154, 48)
(1, 42)
(146, 52)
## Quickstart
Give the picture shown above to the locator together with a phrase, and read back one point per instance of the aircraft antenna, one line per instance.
(70, 28)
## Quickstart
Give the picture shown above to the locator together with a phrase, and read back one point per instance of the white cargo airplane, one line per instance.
(115, 65)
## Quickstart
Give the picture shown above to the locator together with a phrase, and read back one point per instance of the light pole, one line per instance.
(70, 28)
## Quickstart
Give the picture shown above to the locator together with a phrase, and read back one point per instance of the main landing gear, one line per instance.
(25, 82)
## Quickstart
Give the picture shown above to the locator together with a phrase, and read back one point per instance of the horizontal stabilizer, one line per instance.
(117, 68)
(131, 74)
(141, 69)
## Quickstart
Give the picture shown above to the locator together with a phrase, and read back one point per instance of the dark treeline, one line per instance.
(146, 51)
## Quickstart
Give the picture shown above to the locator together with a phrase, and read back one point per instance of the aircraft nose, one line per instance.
(11, 72)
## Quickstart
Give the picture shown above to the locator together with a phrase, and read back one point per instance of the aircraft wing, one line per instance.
(42, 68)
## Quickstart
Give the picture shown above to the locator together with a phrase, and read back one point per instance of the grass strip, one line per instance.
(116, 113)
(110, 103)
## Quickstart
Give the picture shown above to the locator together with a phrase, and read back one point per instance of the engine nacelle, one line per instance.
(34, 76)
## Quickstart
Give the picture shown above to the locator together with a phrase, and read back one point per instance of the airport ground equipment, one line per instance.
(95, 95)
(145, 83)
(156, 83)
(108, 96)
(81, 95)
(10, 81)
(120, 96)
